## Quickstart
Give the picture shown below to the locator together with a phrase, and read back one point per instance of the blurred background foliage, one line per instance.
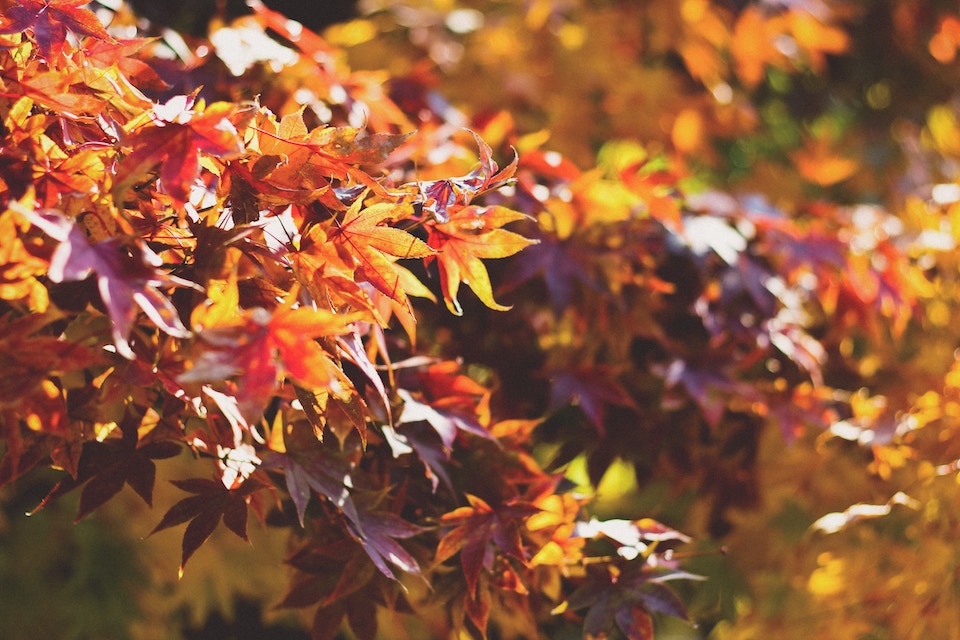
(833, 115)
(829, 113)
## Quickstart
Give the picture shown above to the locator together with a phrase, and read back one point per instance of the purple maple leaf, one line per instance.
(127, 276)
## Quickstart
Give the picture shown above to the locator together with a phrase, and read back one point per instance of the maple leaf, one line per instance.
(311, 466)
(327, 572)
(351, 347)
(453, 402)
(422, 440)
(374, 245)
(211, 503)
(105, 53)
(445, 422)
(27, 359)
(105, 467)
(561, 263)
(378, 534)
(711, 386)
(590, 388)
(472, 233)
(439, 196)
(127, 276)
(476, 528)
(23, 452)
(175, 140)
(304, 158)
(62, 93)
(657, 189)
(50, 20)
(339, 576)
(343, 148)
(263, 347)
(75, 173)
(623, 597)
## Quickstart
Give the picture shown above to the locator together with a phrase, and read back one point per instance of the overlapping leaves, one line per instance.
(207, 275)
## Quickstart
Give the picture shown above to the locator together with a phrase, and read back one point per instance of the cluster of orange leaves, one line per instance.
(203, 274)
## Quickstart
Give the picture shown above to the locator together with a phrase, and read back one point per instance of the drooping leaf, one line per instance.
(309, 466)
(378, 536)
(423, 441)
(211, 503)
(352, 347)
(471, 233)
(105, 467)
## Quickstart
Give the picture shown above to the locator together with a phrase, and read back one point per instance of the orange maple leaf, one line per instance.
(374, 245)
(472, 233)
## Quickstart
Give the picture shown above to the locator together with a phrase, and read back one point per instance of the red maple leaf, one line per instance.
(381, 530)
(50, 20)
(105, 53)
(471, 233)
(453, 402)
(591, 388)
(263, 347)
(339, 576)
(300, 157)
(310, 466)
(477, 528)
(624, 597)
(174, 139)
(105, 467)
(28, 357)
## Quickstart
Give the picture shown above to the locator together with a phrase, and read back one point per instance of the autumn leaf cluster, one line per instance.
(374, 309)
(188, 274)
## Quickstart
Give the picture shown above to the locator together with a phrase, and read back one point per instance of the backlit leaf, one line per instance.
(127, 277)
(50, 20)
